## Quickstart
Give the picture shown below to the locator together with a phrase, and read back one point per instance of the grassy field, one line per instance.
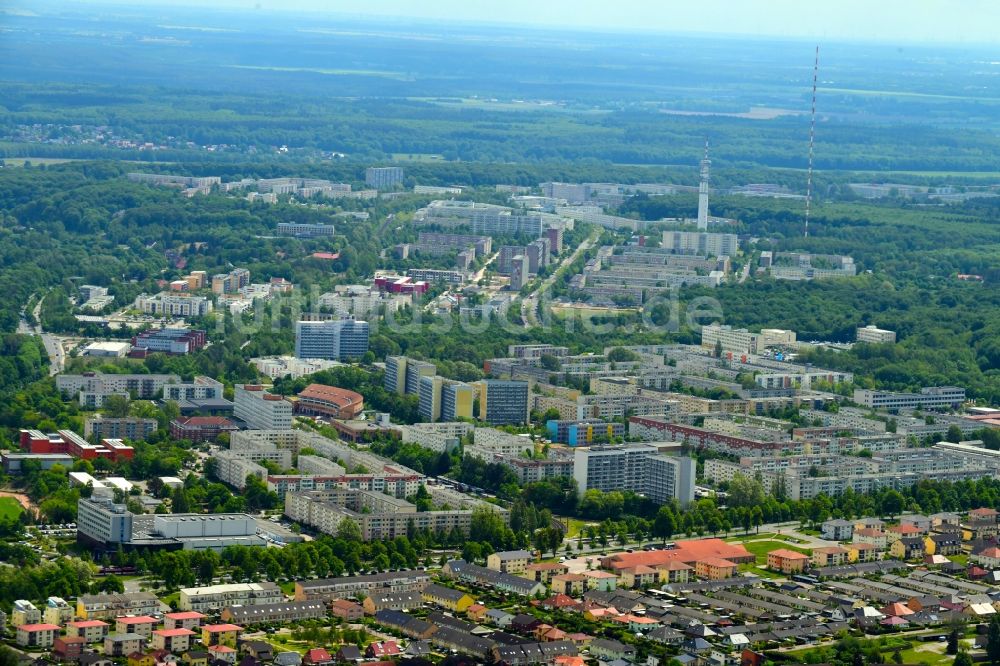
(926, 653)
(10, 508)
(574, 527)
(761, 548)
(35, 161)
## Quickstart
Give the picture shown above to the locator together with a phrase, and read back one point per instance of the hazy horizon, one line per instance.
(965, 22)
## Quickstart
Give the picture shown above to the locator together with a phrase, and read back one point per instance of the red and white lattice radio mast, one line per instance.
(812, 137)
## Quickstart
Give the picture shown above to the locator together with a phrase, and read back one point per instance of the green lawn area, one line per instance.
(10, 508)
(962, 559)
(574, 527)
(762, 548)
(760, 571)
(926, 656)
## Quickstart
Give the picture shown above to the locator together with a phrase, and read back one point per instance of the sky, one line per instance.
(927, 21)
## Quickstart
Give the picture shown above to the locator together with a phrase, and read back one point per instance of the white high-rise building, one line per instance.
(640, 468)
(337, 340)
(261, 410)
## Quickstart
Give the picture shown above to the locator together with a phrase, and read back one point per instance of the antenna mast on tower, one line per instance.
(812, 136)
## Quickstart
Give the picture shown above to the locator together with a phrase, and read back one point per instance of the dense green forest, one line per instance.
(381, 129)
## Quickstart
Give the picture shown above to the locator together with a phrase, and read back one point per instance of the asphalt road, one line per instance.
(529, 304)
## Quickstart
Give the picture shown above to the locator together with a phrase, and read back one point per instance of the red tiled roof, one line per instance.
(787, 554)
(905, 528)
(559, 601)
(39, 627)
(687, 552)
(897, 609)
(336, 395)
(185, 615)
(214, 628)
(318, 655)
(174, 632)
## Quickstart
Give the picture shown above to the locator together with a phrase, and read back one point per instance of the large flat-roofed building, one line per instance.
(107, 349)
(506, 223)
(174, 181)
(383, 178)
(875, 335)
(700, 243)
(736, 340)
(102, 521)
(261, 410)
(503, 402)
(933, 397)
(201, 388)
(217, 597)
(378, 516)
(70, 443)
(144, 387)
(106, 526)
(439, 437)
(339, 339)
(131, 427)
(170, 340)
(13, 463)
(233, 468)
(608, 468)
(435, 243)
(331, 401)
(345, 587)
(586, 431)
(802, 266)
(174, 304)
(305, 230)
(277, 367)
(639, 468)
